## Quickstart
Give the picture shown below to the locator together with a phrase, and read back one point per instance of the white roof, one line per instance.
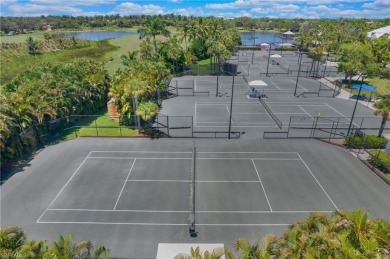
(378, 32)
(288, 33)
(257, 83)
(276, 56)
(264, 44)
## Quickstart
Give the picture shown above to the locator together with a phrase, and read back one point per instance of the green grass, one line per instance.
(93, 127)
(382, 87)
(17, 61)
(21, 38)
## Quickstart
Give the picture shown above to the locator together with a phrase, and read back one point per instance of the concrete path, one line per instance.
(345, 94)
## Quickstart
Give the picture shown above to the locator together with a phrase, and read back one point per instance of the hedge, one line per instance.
(380, 161)
(369, 141)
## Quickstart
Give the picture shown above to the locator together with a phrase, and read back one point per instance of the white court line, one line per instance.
(261, 211)
(141, 211)
(275, 85)
(220, 122)
(141, 158)
(113, 223)
(249, 113)
(229, 112)
(240, 126)
(318, 182)
(169, 181)
(141, 151)
(243, 225)
(203, 211)
(341, 114)
(243, 152)
(195, 119)
(207, 158)
(85, 159)
(262, 186)
(298, 85)
(206, 181)
(124, 184)
(305, 111)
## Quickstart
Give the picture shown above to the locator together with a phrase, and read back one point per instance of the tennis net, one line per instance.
(273, 116)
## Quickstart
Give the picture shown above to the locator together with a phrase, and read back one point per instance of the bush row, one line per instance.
(368, 141)
(380, 161)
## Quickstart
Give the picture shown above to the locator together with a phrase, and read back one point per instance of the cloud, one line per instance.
(37, 10)
(378, 4)
(129, 8)
(175, 1)
(72, 2)
(7, 2)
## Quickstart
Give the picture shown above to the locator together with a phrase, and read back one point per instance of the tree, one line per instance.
(147, 110)
(354, 59)
(217, 253)
(153, 27)
(383, 109)
(32, 46)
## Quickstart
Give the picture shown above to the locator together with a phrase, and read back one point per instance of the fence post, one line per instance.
(75, 131)
(97, 132)
(120, 131)
(192, 126)
(177, 88)
(168, 126)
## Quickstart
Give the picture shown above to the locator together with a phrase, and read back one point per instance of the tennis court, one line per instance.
(153, 188)
(130, 195)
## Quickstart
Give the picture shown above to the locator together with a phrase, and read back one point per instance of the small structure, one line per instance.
(366, 87)
(379, 33)
(289, 35)
(112, 110)
(11, 33)
(253, 93)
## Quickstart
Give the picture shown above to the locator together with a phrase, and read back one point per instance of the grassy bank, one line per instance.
(15, 61)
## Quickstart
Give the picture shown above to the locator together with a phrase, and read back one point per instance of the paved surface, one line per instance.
(132, 194)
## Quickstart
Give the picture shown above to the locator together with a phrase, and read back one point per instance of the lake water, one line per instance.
(99, 35)
(256, 38)
(248, 38)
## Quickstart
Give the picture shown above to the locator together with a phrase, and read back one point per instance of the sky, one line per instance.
(372, 9)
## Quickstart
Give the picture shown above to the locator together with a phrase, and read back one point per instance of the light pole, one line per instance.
(253, 46)
(299, 71)
(357, 99)
(231, 102)
(269, 55)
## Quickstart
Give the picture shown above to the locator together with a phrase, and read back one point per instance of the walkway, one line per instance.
(345, 94)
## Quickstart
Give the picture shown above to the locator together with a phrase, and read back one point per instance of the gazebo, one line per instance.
(369, 88)
(288, 34)
(253, 93)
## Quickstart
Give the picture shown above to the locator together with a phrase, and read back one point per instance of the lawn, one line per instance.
(98, 125)
(382, 87)
(15, 61)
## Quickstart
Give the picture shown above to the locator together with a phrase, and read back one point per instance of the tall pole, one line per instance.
(354, 108)
(219, 69)
(231, 106)
(269, 54)
(299, 71)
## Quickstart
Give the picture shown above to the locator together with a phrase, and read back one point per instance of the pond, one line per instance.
(99, 35)
(256, 38)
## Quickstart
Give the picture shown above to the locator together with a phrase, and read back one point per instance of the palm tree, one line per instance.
(196, 253)
(184, 31)
(33, 249)
(383, 109)
(153, 27)
(11, 239)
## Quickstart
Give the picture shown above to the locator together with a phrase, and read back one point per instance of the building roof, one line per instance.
(379, 32)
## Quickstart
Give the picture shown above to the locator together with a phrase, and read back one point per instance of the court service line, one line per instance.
(341, 114)
(124, 184)
(145, 158)
(203, 158)
(141, 151)
(305, 111)
(275, 85)
(85, 159)
(202, 211)
(299, 85)
(262, 186)
(169, 181)
(112, 223)
(318, 182)
(141, 211)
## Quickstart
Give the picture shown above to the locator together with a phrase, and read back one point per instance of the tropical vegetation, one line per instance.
(14, 244)
(340, 235)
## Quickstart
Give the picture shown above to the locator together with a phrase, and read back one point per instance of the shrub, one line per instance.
(369, 141)
(380, 161)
